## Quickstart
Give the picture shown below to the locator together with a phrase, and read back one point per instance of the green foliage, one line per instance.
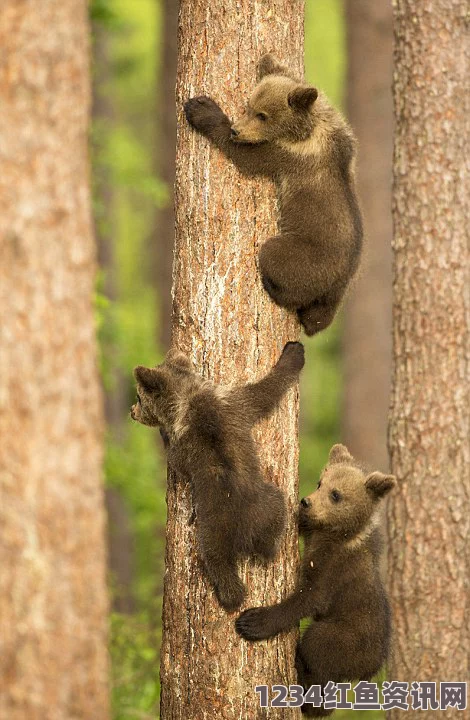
(102, 13)
(320, 397)
(325, 56)
(125, 156)
(134, 656)
(135, 469)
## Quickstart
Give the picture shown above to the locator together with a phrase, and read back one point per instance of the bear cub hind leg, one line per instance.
(222, 571)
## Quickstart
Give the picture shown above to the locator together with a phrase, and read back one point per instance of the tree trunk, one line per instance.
(429, 424)
(165, 225)
(234, 333)
(52, 556)
(367, 334)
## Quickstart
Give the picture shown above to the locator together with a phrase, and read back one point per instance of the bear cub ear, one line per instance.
(379, 484)
(178, 360)
(149, 378)
(269, 65)
(340, 454)
(302, 98)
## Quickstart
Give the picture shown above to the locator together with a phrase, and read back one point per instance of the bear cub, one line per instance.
(207, 433)
(290, 133)
(340, 587)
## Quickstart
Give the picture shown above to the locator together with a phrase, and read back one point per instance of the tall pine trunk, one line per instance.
(234, 333)
(429, 424)
(367, 346)
(52, 556)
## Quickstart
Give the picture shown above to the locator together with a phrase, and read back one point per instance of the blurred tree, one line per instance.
(225, 321)
(429, 424)
(367, 331)
(52, 554)
(165, 163)
(120, 541)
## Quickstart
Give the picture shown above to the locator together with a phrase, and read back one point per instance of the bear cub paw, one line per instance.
(293, 356)
(203, 113)
(254, 624)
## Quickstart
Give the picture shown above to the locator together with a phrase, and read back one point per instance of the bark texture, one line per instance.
(367, 333)
(52, 583)
(227, 323)
(429, 425)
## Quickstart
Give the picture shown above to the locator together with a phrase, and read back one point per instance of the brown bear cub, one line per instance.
(291, 133)
(207, 433)
(340, 587)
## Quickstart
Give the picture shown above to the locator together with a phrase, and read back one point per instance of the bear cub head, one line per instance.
(163, 390)
(346, 500)
(279, 108)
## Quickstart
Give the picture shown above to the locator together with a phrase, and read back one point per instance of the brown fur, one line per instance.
(207, 433)
(340, 587)
(291, 133)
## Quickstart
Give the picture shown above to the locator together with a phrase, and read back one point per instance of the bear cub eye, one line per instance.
(335, 496)
(138, 399)
(262, 116)
(319, 485)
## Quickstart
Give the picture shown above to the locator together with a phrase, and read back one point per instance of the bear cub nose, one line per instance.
(305, 502)
(234, 132)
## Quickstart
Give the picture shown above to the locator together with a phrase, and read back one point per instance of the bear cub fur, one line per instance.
(207, 433)
(290, 133)
(340, 587)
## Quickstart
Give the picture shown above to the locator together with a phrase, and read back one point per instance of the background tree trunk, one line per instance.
(429, 425)
(367, 332)
(234, 333)
(52, 556)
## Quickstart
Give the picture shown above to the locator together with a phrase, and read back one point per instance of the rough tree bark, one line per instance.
(429, 424)
(226, 322)
(52, 556)
(367, 333)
